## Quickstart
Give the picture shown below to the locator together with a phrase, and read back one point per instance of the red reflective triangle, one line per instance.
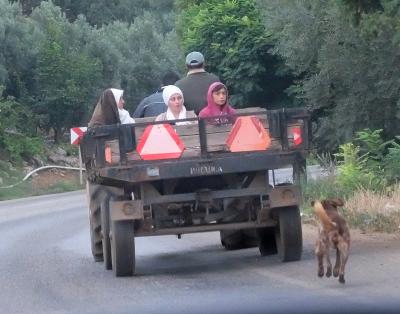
(297, 140)
(160, 141)
(248, 134)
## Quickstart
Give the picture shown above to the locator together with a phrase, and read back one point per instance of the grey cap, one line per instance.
(194, 58)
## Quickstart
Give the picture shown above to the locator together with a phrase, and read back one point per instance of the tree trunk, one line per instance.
(57, 134)
(26, 6)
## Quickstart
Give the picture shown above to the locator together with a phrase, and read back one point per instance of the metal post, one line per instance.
(299, 170)
(203, 138)
(80, 166)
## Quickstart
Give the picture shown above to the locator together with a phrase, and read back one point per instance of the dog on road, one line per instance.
(333, 233)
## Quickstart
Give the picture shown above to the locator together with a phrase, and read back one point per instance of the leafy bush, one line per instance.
(392, 161)
(371, 164)
(17, 132)
(320, 189)
(353, 170)
(374, 148)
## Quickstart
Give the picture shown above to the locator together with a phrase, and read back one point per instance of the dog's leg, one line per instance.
(328, 262)
(337, 264)
(344, 254)
(319, 252)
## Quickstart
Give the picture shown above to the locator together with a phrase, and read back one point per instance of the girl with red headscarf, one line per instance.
(218, 110)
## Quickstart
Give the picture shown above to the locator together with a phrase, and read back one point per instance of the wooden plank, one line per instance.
(251, 110)
(145, 120)
(193, 129)
(191, 152)
(216, 135)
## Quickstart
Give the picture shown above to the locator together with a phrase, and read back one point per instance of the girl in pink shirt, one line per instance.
(218, 111)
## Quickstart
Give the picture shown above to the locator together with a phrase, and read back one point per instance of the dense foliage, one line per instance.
(345, 55)
(232, 35)
(338, 58)
(55, 60)
(17, 131)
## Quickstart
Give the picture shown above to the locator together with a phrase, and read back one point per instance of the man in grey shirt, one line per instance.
(195, 85)
(153, 105)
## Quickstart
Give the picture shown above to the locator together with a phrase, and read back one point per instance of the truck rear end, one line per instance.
(158, 178)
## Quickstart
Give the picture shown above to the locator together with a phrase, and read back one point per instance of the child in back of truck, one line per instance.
(218, 111)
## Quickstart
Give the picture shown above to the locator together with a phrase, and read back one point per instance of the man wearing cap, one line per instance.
(195, 85)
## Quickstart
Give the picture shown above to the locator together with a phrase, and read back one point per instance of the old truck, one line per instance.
(164, 178)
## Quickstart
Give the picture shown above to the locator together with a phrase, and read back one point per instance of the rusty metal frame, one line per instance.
(203, 228)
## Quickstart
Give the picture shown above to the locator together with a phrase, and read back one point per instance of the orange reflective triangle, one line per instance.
(297, 136)
(160, 141)
(248, 134)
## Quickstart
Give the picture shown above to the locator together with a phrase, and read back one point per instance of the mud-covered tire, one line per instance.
(96, 195)
(266, 241)
(249, 238)
(105, 227)
(123, 247)
(109, 194)
(288, 234)
(238, 239)
(232, 239)
(94, 204)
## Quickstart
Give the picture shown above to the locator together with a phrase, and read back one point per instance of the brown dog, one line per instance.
(333, 233)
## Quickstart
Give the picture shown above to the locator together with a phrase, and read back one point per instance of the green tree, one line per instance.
(362, 7)
(18, 39)
(66, 75)
(232, 36)
(103, 12)
(135, 56)
(17, 131)
(345, 72)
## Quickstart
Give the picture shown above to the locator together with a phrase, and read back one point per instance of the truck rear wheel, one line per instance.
(123, 247)
(231, 239)
(266, 241)
(288, 234)
(238, 239)
(94, 201)
(105, 227)
(98, 197)
(110, 194)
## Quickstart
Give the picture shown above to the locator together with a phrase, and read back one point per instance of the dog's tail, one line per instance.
(327, 223)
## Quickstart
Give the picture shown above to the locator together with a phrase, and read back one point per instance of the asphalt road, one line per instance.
(46, 267)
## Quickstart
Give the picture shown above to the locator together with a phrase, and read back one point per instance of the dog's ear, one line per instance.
(312, 203)
(337, 202)
(325, 204)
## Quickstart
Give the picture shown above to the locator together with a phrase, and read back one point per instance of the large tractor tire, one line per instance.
(266, 241)
(232, 239)
(123, 247)
(93, 192)
(110, 194)
(288, 234)
(98, 197)
(105, 228)
(238, 239)
(249, 238)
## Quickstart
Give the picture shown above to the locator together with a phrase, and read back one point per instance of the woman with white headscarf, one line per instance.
(173, 99)
(123, 113)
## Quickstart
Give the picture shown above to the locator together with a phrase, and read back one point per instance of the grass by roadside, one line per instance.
(364, 209)
(45, 182)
